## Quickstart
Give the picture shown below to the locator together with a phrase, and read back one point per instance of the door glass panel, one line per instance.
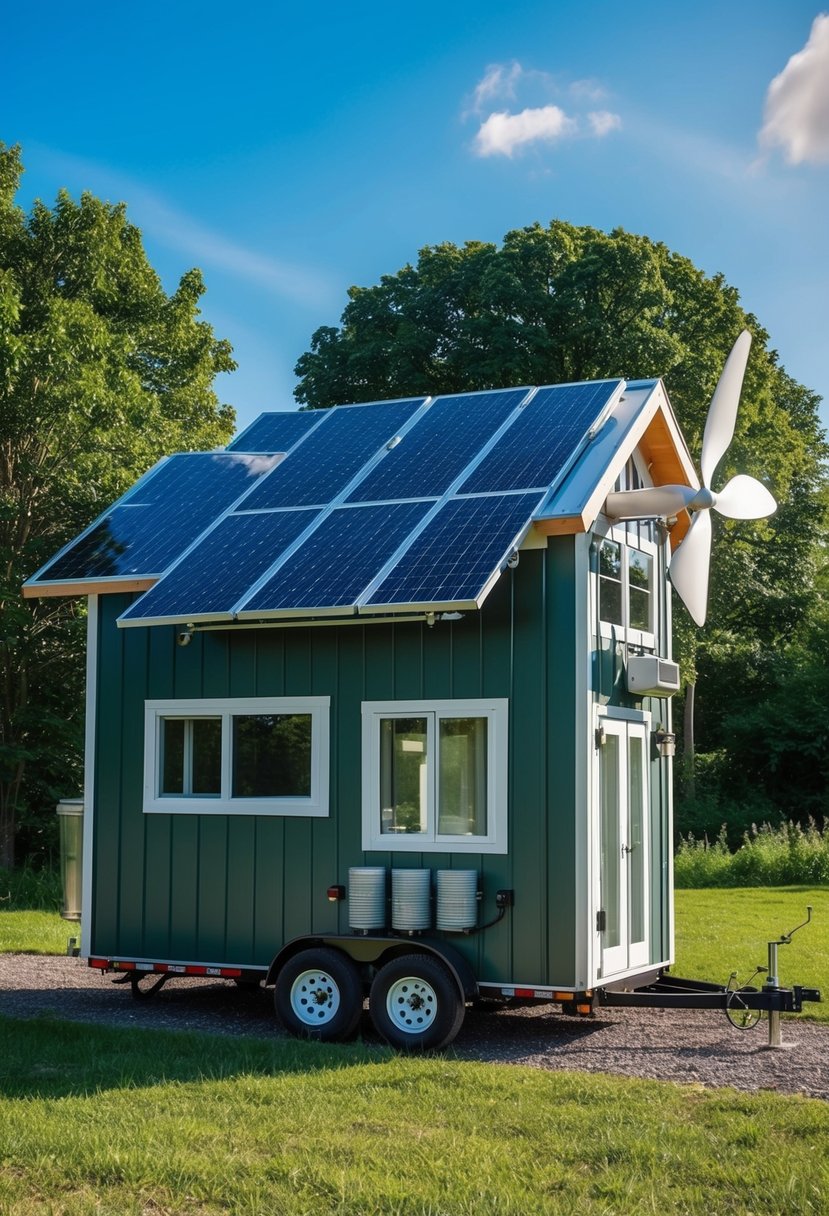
(636, 843)
(403, 779)
(272, 756)
(611, 843)
(462, 777)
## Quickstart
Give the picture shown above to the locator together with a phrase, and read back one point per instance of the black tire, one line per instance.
(415, 1003)
(319, 995)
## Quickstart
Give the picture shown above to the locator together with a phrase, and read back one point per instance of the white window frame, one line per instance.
(618, 534)
(496, 711)
(316, 804)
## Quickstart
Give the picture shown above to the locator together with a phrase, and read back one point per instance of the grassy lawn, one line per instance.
(34, 932)
(110, 1121)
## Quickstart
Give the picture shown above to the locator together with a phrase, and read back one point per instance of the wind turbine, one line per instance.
(742, 497)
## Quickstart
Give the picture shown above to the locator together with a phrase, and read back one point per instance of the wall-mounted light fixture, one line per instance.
(665, 741)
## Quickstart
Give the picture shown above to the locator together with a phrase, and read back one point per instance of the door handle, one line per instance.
(626, 849)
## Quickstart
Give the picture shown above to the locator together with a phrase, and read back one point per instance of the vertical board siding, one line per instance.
(565, 717)
(233, 889)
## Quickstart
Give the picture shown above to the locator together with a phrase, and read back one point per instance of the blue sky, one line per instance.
(291, 153)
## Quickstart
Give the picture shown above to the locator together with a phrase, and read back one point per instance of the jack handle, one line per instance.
(787, 937)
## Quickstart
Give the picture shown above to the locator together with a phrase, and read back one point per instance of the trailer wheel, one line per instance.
(319, 995)
(415, 1003)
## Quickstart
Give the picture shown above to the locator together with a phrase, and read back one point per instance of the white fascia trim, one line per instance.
(89, 771)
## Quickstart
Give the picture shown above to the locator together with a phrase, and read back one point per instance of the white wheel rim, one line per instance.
(315, 997)
(412, 1004)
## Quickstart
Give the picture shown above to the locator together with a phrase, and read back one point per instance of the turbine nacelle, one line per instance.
(742, 497)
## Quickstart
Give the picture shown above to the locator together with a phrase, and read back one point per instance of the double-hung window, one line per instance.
(435, 776)
(258, 756)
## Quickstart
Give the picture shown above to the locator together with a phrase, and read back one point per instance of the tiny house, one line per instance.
(379, 705)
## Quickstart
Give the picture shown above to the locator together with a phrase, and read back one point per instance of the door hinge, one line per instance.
(601, 921)
(600, 736)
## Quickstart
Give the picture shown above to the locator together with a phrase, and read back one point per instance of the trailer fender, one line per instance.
(376, 950)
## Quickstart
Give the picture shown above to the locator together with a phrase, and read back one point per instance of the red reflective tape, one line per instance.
(231, 973)
(101, 963)
(527, 992)
(196, 970)
(118, 966)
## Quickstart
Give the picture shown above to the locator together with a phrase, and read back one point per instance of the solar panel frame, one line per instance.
(296, 425)
(436, 472)
(347, 534)
(215, 551)
(297, 488)
(141, 497)
(525, 504)
(493, 472)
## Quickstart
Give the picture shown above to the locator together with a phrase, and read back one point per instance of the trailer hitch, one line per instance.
(742, 1005)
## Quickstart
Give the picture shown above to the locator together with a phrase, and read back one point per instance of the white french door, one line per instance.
(624, 845)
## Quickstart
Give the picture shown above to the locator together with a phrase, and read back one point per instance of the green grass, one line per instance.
(35, 932)
(108, 1121)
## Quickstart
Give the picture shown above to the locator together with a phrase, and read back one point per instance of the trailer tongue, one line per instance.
(742, 1006)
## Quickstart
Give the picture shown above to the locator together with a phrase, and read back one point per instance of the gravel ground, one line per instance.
(699, 1048)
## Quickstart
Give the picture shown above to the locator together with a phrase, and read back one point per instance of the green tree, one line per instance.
(101, 372)
(564, 303)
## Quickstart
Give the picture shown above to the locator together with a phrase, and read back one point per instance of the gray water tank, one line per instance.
(70, 817)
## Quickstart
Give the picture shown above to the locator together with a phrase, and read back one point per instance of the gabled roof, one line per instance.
(369, 510)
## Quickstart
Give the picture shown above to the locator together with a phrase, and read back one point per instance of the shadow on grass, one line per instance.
(46, 1057)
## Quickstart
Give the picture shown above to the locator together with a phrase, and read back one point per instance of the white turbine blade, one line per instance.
(745, 498)
(645, 504)
(689, 567)
(722, 414)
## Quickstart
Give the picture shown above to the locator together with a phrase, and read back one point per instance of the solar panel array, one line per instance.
(416, 503)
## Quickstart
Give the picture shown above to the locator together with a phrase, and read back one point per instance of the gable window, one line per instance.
(435, 776)
(261, 756)
(626, 587)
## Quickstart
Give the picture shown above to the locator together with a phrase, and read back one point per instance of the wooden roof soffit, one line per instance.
(660, 443)
(88, 587)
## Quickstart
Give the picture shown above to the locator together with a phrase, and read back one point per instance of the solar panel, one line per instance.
(437, 450)
(144, 532)
(457, 553)
(217, 572)
(536, 446)
(277, 431)
(317, 471)
(339, 560)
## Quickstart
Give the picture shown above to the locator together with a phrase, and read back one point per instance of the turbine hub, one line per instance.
(703, 501)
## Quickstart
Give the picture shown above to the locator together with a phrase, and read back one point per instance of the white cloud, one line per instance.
(502, 133)
(602, 122)
(498, 80)
(588, 90)
(797, 102)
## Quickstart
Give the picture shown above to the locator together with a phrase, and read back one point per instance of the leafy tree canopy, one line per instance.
(101, 373)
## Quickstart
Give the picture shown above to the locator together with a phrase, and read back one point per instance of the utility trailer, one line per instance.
(378, 703)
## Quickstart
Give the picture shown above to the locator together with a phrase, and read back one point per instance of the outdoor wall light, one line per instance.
(665, 742)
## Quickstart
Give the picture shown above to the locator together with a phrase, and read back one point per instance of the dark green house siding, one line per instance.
(232, 889)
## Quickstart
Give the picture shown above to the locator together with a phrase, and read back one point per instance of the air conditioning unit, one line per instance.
(650, 676)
